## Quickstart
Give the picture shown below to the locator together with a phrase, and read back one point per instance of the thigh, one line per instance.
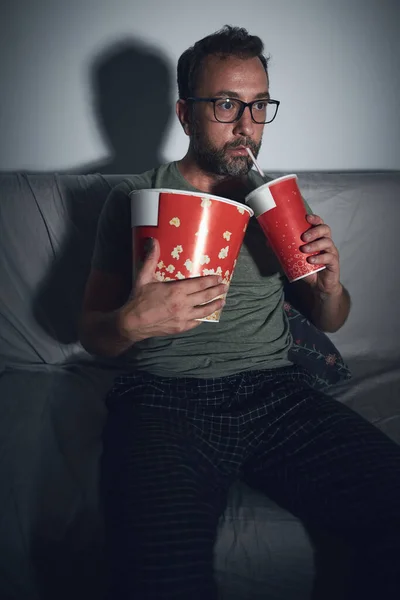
(163, 499)
(145, 443)
(328, 465)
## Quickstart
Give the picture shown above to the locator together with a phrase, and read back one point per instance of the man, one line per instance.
(205, 404)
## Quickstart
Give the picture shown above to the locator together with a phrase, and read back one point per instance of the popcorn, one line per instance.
(218, 271)
(189, 265)
(213, 317)
(241, 209)
(170, 268)
(160, 265)
(204, 260)
(175, 222)
(206, 202)
(227, 235)
(176, 252)
(179, 275)
(208, 271)
(160, 276)
(223, 253)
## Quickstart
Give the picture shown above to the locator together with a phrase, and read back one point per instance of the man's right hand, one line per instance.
(158, 308)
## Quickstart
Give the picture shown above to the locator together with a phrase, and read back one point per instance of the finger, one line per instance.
(200, 312)
(320, 245)
(314, 219)
(208, 294)
(192, 324)
(146, 273)
(197, 284)
(329, 260)
(319, 231)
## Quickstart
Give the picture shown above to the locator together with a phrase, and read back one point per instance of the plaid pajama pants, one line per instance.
(173, 446)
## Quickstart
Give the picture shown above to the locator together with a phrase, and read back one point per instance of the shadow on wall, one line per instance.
(131, 86)
(132, 91)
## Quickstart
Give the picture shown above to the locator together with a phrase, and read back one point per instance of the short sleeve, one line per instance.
(113, 247)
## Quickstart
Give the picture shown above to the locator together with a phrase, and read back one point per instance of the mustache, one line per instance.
(244, 142)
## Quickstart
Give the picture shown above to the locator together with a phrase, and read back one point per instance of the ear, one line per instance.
(183, 114)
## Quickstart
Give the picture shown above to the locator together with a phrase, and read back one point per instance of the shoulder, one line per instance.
(139, 181)
(156, 177)
(118, 202)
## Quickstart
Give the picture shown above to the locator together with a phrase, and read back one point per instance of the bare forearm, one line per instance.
(102, 334)
(329, 312)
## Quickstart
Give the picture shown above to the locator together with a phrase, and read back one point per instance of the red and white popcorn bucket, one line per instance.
(199, 234)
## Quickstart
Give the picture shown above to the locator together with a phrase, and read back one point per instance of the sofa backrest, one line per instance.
(47, 231)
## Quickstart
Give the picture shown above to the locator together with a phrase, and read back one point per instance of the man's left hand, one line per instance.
(318, 239)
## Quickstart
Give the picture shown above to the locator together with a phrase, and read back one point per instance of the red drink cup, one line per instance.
(199, 234)
(281, 212)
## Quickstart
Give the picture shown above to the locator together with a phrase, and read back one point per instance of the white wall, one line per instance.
(334, 66)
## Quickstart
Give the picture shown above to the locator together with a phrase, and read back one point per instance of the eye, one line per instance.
(260, 105)
(226, 104)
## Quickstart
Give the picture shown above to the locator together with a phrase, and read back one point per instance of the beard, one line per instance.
(217, 161)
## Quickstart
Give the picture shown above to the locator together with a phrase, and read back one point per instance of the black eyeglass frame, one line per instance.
(242, 109)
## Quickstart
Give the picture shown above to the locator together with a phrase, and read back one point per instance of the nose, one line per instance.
(245, 125)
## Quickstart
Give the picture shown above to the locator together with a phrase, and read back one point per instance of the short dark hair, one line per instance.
(227, 41)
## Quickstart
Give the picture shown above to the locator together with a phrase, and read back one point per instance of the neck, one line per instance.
(209, 183)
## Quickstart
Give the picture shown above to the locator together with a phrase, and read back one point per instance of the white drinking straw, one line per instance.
(253, 158)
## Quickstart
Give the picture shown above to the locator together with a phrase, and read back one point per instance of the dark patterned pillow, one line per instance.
(314, 350)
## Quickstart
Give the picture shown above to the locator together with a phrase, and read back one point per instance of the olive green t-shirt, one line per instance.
(253, 331)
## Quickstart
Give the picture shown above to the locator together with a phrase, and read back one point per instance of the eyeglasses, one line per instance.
(230, 110)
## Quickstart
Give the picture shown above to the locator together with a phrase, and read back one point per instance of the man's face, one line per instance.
(219, 148)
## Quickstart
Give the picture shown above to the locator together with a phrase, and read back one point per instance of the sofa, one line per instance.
(52, 392)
